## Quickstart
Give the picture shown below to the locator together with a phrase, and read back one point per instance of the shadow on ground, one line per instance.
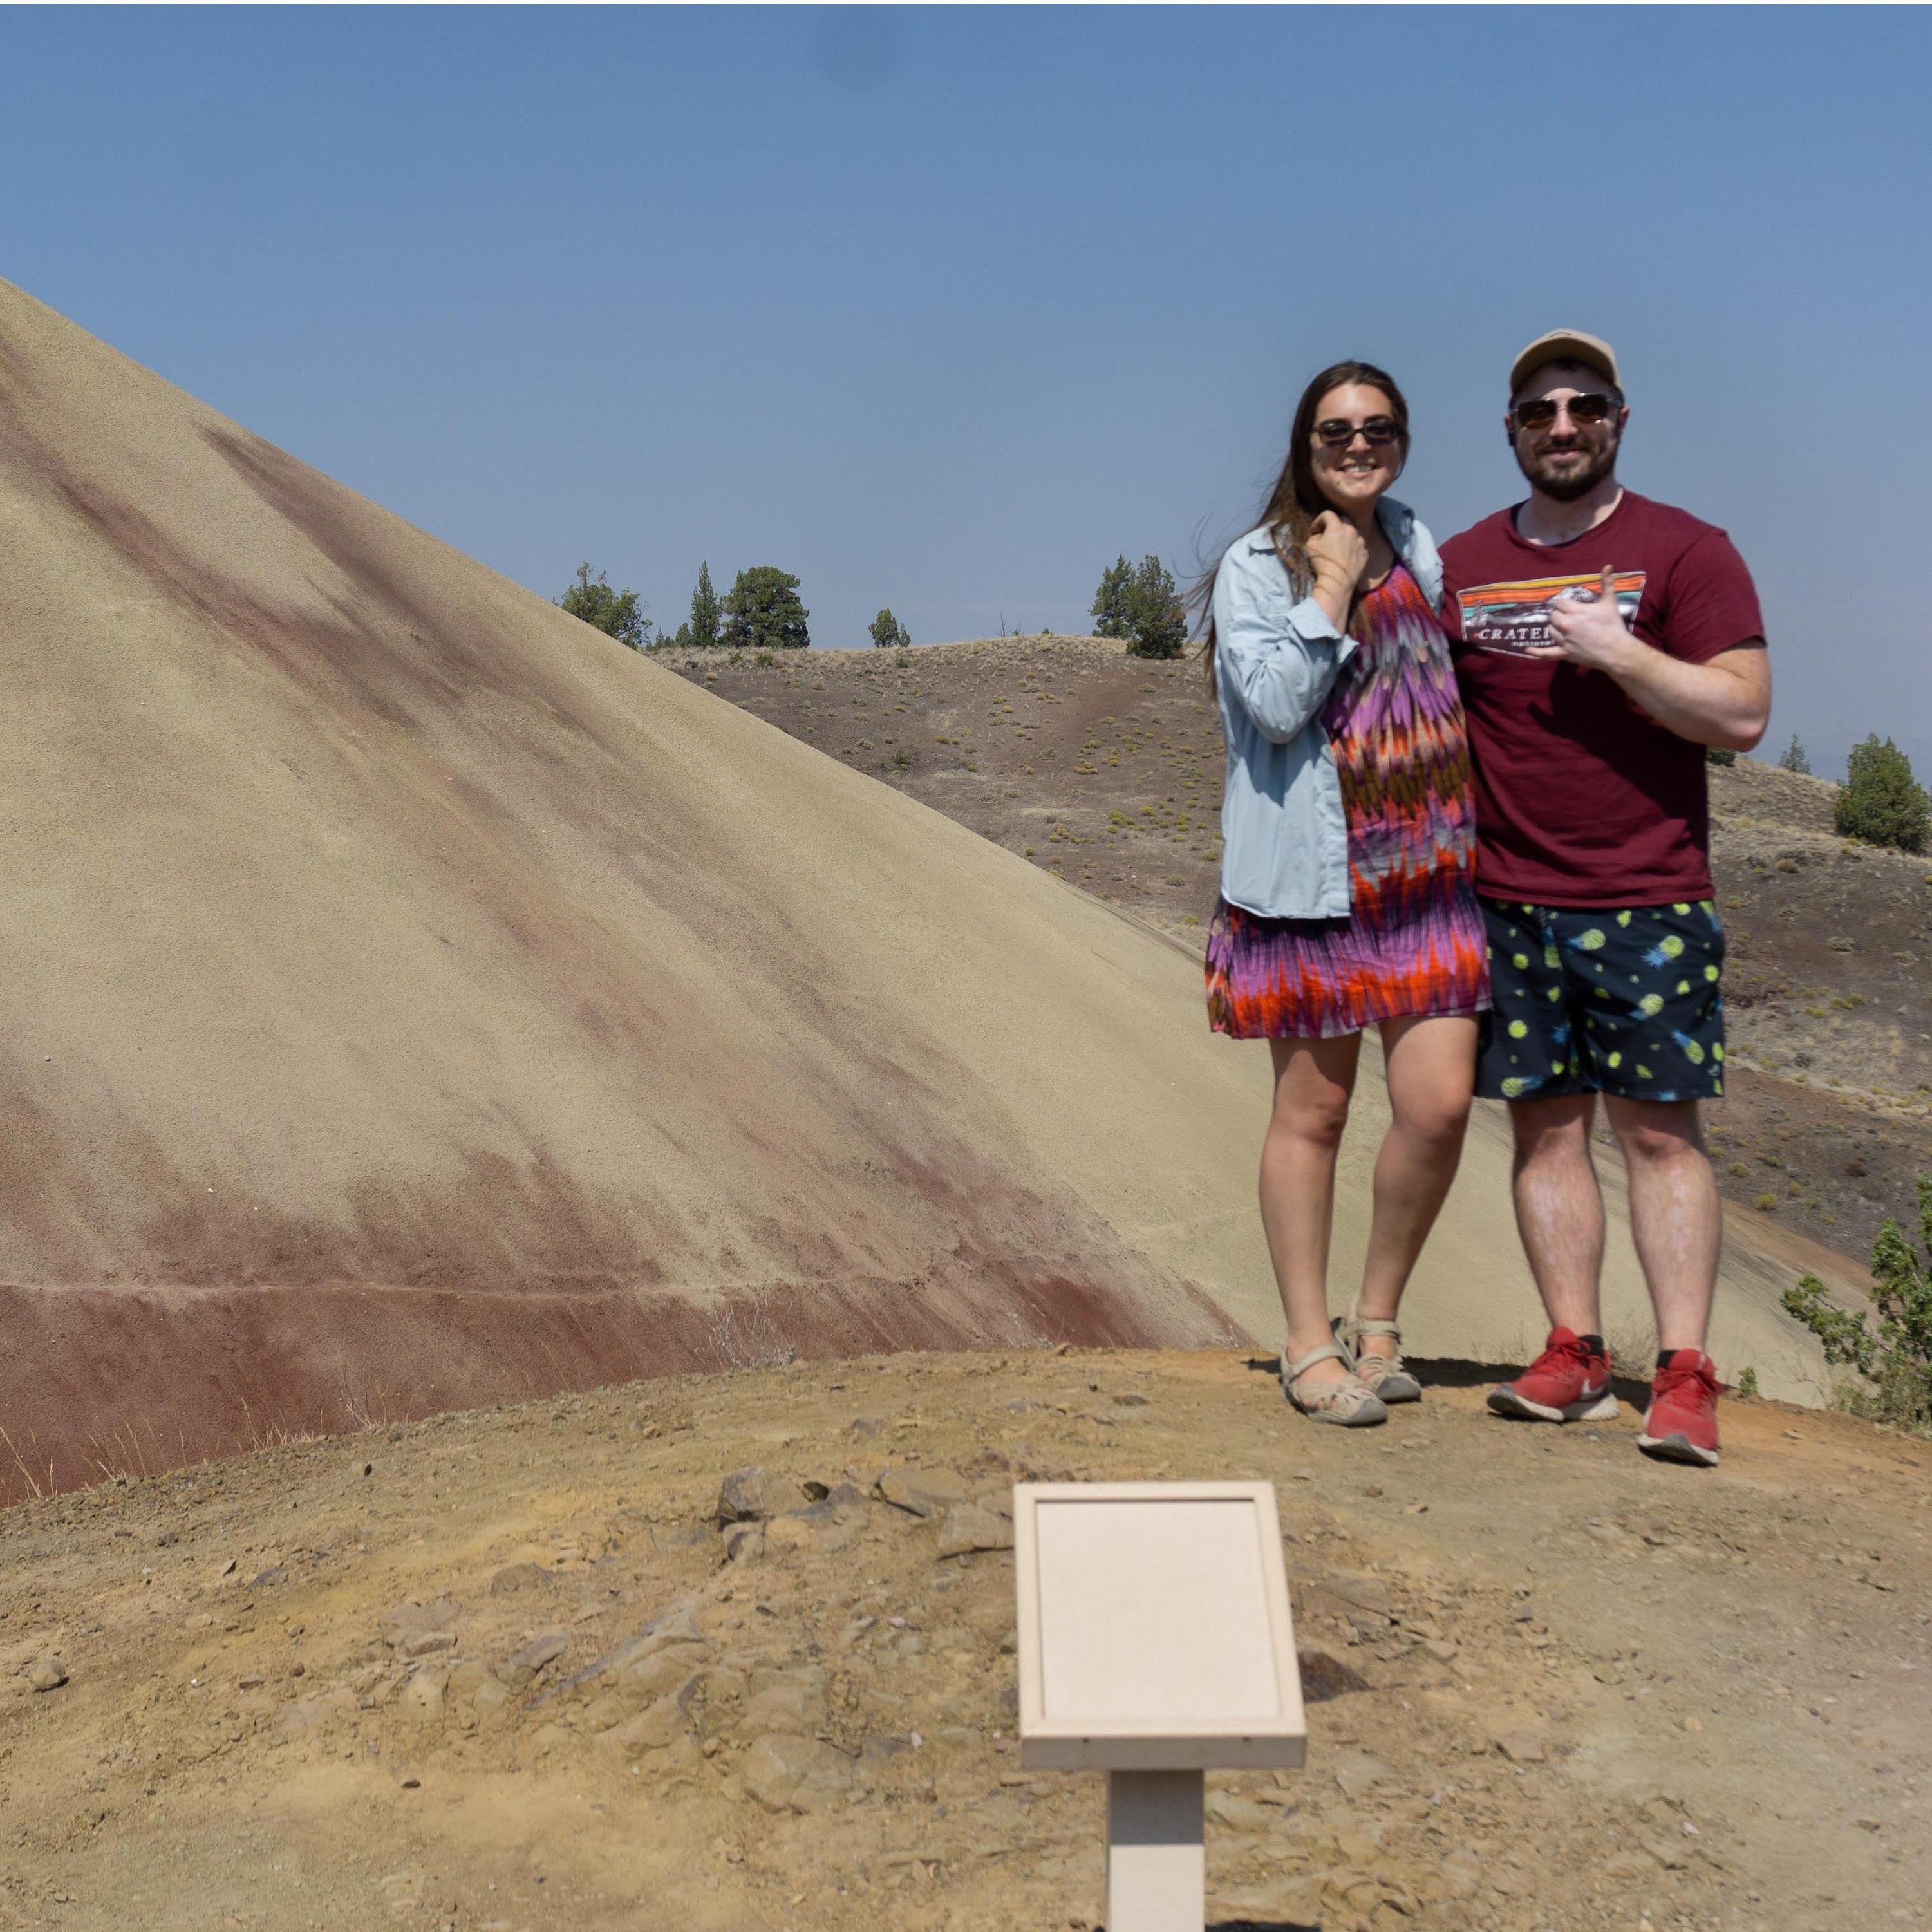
(1451, 1371)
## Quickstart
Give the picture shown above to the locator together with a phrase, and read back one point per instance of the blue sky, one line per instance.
(941, 308)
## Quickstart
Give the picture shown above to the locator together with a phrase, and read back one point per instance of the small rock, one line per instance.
(49, 1674)
(1131, 1401)
(1693, 1724)
(516, 1576)
(1323, 1677)
(1373, 1489)
(1357, 1772)
(1521, 1747)
(924, 1493)
(654, 1727)
(1416, 1509)
(423, 1696)
(1236, 1812)
(795, 1774)
(741, 1499)
(745, 1542)
(427, 1643)
(1442, 1652)
(542, 1650)
(968, 1528)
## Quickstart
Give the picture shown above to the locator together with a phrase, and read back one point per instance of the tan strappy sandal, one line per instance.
(1388, 1376)
(1348, 1404)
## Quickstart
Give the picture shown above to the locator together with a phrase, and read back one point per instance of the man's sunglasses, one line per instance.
(1378, 432)
(1588, 410)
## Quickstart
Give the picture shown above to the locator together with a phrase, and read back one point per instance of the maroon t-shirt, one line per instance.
(1583, 798)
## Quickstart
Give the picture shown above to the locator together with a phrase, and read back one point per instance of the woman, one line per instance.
(1348, 870)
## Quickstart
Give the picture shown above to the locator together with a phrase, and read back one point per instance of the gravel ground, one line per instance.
(505, 1670)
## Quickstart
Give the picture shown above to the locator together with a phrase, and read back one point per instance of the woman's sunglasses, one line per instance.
(1378, 431)
(1588, 410)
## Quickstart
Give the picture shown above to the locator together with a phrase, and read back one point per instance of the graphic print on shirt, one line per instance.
(1510, 617)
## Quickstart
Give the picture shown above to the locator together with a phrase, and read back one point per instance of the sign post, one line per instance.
(1155, 1643)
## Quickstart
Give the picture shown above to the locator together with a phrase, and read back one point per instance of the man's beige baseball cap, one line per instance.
(1567, 345)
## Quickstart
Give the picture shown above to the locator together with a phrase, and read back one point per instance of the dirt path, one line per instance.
(496, 1671)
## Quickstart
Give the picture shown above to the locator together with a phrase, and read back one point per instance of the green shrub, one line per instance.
(1894, 1361)
(1880, 801)
(1716, 754)
(617, 613)
(888, 634)
(1794, 759)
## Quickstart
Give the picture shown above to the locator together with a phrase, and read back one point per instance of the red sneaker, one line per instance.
(1570, 1382)
(1681, 1424)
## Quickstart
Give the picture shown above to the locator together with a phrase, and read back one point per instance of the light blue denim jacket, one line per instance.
(1285, 841)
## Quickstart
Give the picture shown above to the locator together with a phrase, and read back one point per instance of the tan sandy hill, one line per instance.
(413, 999)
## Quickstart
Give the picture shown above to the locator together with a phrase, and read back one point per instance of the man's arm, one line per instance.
(1724, 701)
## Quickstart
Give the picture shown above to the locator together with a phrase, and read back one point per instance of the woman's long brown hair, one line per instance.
(1296, 500)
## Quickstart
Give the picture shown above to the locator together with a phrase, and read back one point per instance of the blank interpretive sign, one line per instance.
(1154, 1627)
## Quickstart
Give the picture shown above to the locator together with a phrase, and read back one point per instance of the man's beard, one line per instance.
(1567, 488)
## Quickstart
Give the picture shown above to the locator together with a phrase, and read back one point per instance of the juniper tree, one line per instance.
(1880, 801)
(1156, 621)
(617, 613)
(1112, 602)
(762, 610)
(703, 628)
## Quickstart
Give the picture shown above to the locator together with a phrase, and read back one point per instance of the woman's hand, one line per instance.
(1338, 553)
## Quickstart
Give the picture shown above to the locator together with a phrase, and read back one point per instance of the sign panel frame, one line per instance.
(1151, 1738)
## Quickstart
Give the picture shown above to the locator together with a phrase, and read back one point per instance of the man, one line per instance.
(1603, 641)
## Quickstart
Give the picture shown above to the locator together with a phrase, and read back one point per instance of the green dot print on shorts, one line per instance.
(1520, 961)
(1555, 992)
(1710, 972)
(1513, 1089)
(1693, 1053)
(1517, 1030)
(1651, 1005)
(1623, 918)
(1670, 945)
(1680, 909)
(1551, 957)
(1684, 985)
(1615, 1060)
(1642, 1071)
(1718, 1052)
(1591, 941)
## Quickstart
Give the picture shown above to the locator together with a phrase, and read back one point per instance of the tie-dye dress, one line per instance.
(1413, 942)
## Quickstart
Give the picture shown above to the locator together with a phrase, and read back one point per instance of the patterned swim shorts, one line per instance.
(1623, 1001)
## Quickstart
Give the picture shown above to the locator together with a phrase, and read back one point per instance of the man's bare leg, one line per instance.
(1559, 1210)
(1675, 1220)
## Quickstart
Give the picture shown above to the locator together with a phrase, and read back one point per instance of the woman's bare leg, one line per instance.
(1431, 1067)
(1313, 1081)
